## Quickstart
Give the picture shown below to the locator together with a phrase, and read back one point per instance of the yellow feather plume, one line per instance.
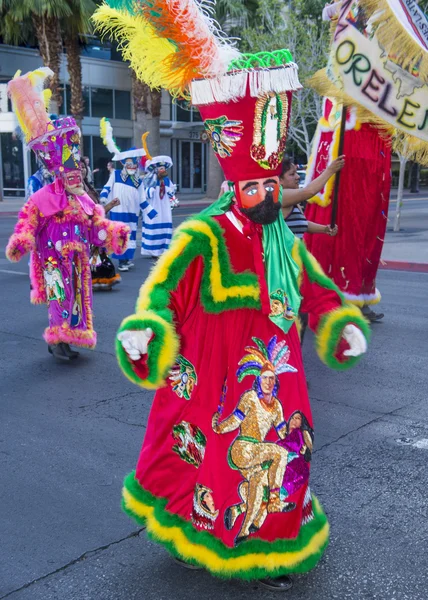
(148, 54)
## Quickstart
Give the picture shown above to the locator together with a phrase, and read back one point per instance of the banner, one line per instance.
(363, 69)
(387, 81)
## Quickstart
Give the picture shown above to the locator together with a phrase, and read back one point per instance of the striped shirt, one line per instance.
(297, 222)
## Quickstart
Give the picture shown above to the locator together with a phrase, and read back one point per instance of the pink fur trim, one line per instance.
(28, 219)
(76, 337)
(38, 293)
(119, 234)
(99, 215)
(18, 245)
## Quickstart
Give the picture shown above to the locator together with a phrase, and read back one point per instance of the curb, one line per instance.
(395, 265)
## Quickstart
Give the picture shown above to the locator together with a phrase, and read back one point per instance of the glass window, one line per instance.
(85, 93)
(183, 111)
(196, 115)
(13, 165)
(122, 104)
(185, 165)
(63, 107)
(102, 102)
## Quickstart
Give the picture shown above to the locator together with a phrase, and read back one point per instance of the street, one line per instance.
(71, 432)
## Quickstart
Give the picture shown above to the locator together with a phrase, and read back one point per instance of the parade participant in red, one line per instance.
(215, 333)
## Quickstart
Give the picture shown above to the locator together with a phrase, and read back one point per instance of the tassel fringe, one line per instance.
(405, 144)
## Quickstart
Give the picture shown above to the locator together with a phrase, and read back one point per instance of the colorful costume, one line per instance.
(212, 481)
(351, 258)
(126, 185)
(57, 226)
(386, 100)
(160, 192)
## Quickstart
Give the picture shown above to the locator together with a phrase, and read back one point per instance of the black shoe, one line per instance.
(186, 565)
(69, 352)
(279, 584)
(371, 315)
(58, 352)
(253, 528)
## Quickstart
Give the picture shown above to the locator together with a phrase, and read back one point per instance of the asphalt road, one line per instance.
(70, 432)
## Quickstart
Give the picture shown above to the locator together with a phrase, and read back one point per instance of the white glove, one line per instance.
(356, 340)
(135, 342)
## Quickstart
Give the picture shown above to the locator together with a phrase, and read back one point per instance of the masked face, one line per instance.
(73, 182)
(161, 172)
(130, 166)
(259, 199)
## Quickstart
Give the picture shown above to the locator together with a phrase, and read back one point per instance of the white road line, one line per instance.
(13, 272)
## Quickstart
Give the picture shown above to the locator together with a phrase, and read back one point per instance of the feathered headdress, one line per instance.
(273, 357)
(54, 141)
(106, 133)
(167, 42)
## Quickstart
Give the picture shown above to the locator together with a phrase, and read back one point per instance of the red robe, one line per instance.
(351, 258)
(188, 486)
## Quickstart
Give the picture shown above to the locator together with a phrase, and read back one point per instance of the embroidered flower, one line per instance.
(65, 314)
(258, 151)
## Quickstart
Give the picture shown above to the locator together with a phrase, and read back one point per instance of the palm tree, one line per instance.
(43, 16)
(147, 110)
(72, 32)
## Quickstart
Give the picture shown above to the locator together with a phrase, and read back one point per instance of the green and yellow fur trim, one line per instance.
(330, 332)
(252, 559)
(221, 289)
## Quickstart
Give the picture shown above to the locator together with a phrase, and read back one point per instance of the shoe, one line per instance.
(252, 528)
(129, 264)
(58, 352)
(279, 584)
(186, 565)
(371, 315)
(69, 352)
(123, 267)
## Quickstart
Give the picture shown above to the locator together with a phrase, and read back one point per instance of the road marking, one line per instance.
(13, 272)
(421, 444)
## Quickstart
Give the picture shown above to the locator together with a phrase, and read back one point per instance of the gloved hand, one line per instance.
(356, 340)
(135, 343)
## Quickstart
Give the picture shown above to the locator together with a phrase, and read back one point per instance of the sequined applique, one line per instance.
(270, 129)
(54, 284)
(307, 511)
(298, 442)
(223, 134)
(262, 464)
(204, 513)
(190, 443)
(183, 377)
(279, 305)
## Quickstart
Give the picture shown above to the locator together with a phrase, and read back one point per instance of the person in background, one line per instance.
(104, 275)
(292, 196)
(89, 171)
(110, 167)
(38, 180)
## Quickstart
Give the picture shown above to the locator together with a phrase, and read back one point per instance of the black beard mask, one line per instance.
(265, 212)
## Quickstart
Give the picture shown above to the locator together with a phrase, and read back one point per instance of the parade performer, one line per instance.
(59, 222)
(104, 275)
(126, 185)
(160, 192)
(392, 42)
(38, 179)
(214, 330)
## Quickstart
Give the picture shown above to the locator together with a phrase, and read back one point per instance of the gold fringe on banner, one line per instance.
(405, 144)
(396, 40)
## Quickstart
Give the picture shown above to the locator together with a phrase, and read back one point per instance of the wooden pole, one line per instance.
(337, 180)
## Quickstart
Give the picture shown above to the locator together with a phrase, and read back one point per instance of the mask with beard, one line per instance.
(265, 212)
(73, 183)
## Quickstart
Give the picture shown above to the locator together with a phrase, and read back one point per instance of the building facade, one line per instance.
(107, 92)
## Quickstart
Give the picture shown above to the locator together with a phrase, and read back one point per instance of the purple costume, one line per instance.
(297, 470)
(58, 229)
